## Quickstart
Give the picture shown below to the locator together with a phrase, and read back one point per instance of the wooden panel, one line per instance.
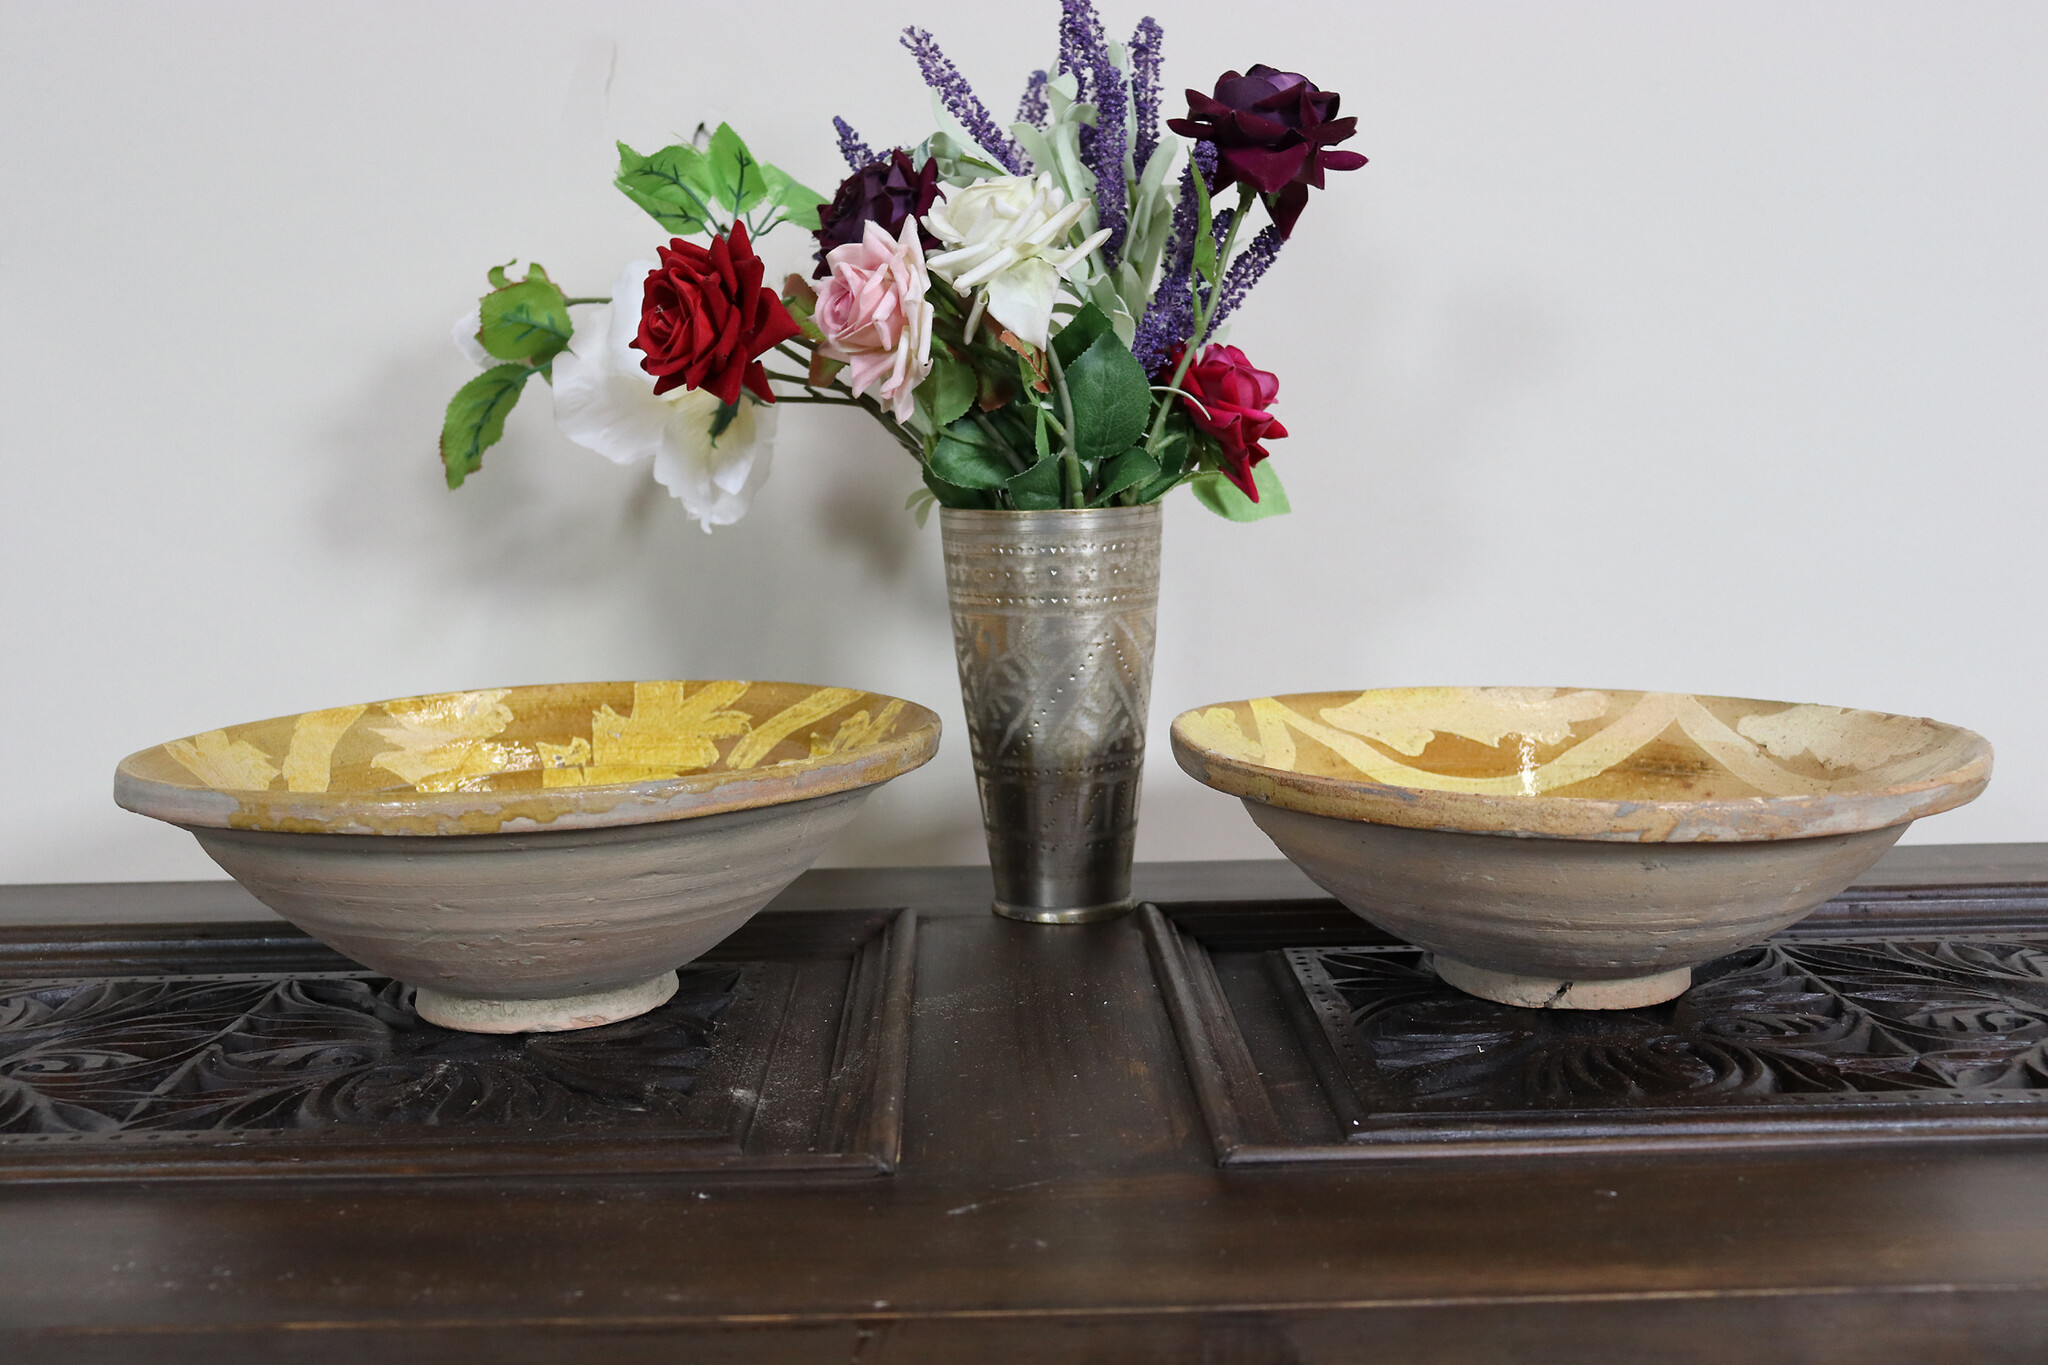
(1936, 1029)
(246, 1053)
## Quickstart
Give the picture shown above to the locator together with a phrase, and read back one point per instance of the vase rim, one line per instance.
(1010, 516)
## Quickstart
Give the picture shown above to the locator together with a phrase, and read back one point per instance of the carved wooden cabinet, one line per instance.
(880, 1124)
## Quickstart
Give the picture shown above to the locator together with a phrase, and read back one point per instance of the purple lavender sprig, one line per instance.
(1180, 240)
(1168, 320)
(1031, 109)
(1112, 135)
(1146, 44)
(1074, 55)
(961, 101)
(851, 146)
(1085, 52)
(1170, 317)
(1245, 272)
(1220, 228)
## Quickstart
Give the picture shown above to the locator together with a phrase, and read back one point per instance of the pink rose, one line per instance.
(874, 314)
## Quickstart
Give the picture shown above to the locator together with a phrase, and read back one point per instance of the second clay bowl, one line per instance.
(1572, 847)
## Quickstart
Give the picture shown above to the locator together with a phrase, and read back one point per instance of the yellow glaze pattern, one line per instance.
(1661, 764)
(572, 754)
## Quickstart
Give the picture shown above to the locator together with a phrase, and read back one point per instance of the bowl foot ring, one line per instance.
(561, 1014)
(1550, 993)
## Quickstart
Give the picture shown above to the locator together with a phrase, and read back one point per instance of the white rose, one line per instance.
(1007, 236)
(606, 402)
(466, 328)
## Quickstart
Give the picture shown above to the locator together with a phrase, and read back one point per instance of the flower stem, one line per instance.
(988, 429)
(835, 386)
(1070, 460)
(1245, 195)
(573, 302)
(906, 439)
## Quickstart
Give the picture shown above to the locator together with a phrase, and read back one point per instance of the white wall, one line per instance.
(1661, 345)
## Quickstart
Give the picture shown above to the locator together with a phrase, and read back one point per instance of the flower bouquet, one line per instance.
(1035, 314)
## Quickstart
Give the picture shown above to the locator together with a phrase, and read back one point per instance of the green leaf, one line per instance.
(1174, 446)
(1037, 489)
(799, 204)
(1079, 334)
(1157, 489)
(722, 419)
(1172, 455)
(948, 391)
(735, 176)
(674, 185)
(1128, 470)
(952, 495)
(801, 314)
(1224, 498)
(919, 504)
(528, 320)
(476, 418)
(956, 165)
(966, 458)
(1112, 398)
(1032, 141)
(1266, 479)
(1205, 230)
(1012, 424)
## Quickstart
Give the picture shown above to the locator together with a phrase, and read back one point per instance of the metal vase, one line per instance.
(1053, 617)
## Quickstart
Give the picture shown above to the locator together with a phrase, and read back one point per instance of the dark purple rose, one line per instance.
(1272, 130)
(885, 192)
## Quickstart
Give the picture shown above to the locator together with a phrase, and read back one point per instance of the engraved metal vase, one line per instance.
(1053, 616)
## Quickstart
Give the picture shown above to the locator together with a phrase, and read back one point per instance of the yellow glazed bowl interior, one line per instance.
(556, 756)
(1580, 763)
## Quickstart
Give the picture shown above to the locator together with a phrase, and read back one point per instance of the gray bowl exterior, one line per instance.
(534, 916)
(1573, 909)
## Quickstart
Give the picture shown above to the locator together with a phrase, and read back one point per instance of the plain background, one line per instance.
(1676, 346)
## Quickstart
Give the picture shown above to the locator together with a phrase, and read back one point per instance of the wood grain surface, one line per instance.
(1058, 1199)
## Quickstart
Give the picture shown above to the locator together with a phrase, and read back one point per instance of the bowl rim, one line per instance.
(599, 806)
(1544, 816)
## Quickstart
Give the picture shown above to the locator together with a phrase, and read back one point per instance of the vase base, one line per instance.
(1080, 914)
(1539, 992)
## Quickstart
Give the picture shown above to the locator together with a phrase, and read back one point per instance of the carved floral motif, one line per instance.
(112, 1055)
(1765, 1025)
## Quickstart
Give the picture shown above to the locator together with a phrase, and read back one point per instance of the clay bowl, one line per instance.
(1572, 848)
(533, 858)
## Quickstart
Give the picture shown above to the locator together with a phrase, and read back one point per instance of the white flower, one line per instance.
(606, 402)
(466, 328)
(1006, 235)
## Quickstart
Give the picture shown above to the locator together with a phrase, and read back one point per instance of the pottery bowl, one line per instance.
(1575, 848)
(533, 858)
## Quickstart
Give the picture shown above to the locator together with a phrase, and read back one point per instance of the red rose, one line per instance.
(1232, 396)
(704, 319)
